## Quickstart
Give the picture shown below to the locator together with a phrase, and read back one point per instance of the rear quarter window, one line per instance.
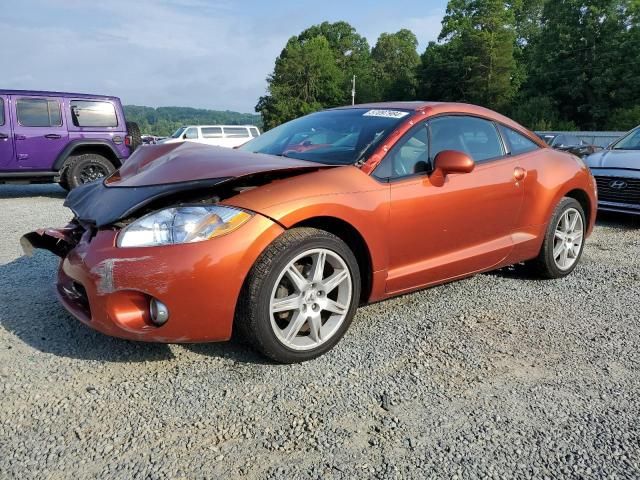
(89, 113)
(1, 111)
(518, 143)
(38, 112)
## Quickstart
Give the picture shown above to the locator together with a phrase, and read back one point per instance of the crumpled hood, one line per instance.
(188, 162)
(156, 172)
(617, 159)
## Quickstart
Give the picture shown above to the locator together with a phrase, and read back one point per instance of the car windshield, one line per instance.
(334, 137)
(178, 132)
(629, 142)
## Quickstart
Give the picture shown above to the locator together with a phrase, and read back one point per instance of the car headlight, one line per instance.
(187, 224)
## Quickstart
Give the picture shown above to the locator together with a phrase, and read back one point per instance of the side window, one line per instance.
(409, 156)
(236, 132)
(254, 132)
(86, 113)
(211, 132)
(1, 111)
(38, 112)
(476, 137)
(191, 133)
(518, 143)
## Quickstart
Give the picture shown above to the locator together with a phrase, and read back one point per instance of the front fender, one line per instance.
(344, 193)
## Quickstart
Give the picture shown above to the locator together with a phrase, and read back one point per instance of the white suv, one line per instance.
(221, 135)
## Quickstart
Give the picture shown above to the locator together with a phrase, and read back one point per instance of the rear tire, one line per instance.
(563, 242)
(290, 309)
(85, 168)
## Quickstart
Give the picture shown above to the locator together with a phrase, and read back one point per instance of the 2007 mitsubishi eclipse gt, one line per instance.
(285, 237)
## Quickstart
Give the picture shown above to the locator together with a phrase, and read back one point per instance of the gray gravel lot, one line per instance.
(496, 376)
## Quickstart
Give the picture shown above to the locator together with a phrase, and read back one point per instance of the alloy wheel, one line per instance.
(310, 299)
(91, 173)
(568, 238)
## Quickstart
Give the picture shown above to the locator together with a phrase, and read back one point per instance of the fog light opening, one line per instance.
(159, 312)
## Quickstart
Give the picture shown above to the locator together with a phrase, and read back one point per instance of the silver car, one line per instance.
(617, 173)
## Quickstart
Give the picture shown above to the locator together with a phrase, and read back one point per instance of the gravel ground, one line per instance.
(497, 376)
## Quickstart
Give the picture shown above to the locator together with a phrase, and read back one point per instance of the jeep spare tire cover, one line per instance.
(133, 130)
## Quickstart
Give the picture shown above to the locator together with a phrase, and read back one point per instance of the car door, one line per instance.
(191, 134)
(39, 131)
(7, 154)
(442, 231)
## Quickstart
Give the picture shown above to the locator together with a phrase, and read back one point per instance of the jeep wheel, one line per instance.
(86, 168)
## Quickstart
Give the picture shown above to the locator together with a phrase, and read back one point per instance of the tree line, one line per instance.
(163, 121)
(561, 64)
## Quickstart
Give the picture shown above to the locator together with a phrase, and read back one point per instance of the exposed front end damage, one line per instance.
(59, 241)
(111, 289)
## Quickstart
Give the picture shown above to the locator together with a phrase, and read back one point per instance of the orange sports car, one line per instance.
(186, 242)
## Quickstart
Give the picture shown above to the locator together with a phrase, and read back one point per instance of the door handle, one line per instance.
(519, 174)
(53, 136)
(3, 136)
(20, 137)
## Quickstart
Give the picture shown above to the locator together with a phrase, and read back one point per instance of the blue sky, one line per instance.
(199, 53)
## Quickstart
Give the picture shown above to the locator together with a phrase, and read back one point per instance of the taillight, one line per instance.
(128, 140)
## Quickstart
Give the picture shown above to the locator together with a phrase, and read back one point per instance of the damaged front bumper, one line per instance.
(110, 288)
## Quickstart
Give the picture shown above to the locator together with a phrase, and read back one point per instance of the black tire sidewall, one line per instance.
(270, 344)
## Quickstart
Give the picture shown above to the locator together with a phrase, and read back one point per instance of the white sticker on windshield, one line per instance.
(386, 113)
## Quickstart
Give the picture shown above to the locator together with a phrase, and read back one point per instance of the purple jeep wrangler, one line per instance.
(67, 138)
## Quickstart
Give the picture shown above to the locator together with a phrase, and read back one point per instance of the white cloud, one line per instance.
(173, 52)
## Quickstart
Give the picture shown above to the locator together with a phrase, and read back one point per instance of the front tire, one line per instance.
(563, 242)
(300, 296)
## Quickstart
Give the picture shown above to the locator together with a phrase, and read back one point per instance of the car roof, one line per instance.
(43, 93)
(407, 105)
(419, 105)
(435, 108)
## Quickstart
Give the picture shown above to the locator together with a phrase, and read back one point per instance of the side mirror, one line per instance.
(450, 161)
(184, 136)
(453, 161)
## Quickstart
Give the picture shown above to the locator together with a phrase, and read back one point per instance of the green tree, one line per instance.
(305, 79)
(395, 64)
(314, 71)
(474, 60)
(585, 60)
(352, 54)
